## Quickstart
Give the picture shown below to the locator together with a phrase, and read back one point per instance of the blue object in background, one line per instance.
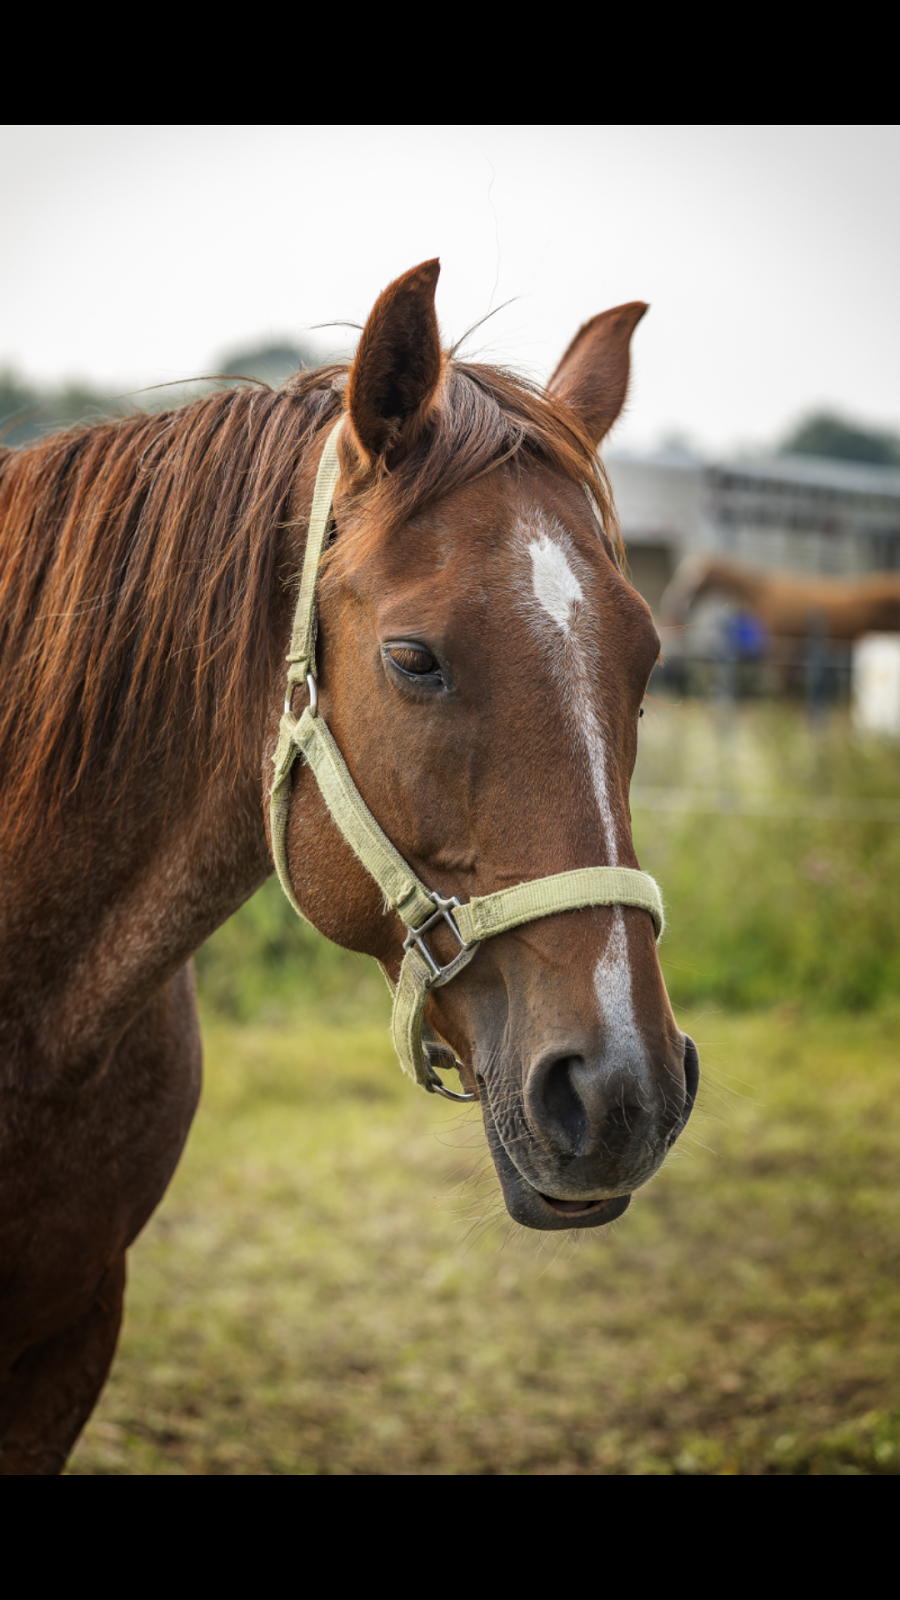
(746, 635)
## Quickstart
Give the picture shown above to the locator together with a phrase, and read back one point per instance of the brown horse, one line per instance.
(482, 662)
(788, 603)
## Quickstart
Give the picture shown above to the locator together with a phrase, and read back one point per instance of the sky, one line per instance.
(136, 255)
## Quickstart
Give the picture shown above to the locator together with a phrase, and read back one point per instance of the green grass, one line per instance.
(331, 1285)
(763, 910)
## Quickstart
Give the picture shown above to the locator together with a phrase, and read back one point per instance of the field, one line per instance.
(332, 1286)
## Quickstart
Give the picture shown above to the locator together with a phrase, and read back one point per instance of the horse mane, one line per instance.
(138, 566)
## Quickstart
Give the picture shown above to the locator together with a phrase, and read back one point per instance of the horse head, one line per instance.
(481, 666)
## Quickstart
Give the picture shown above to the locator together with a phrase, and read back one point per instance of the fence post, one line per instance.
(816, 665)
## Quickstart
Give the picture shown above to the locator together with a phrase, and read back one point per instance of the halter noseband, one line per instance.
(419, 908)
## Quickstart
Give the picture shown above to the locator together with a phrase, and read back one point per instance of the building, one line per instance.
(800, 513)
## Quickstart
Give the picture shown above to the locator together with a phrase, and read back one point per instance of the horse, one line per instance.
(481, 665)
(788, 604)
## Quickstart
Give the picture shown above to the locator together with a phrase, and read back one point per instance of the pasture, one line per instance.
(332, 1284)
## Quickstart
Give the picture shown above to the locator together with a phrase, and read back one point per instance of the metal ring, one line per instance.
(436, 1087)
(312, 686)
(434, 1084)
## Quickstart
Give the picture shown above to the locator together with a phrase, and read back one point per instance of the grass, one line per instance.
(767, 909)
(332, 1284)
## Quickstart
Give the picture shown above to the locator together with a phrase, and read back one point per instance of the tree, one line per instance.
(273, 363)
(28, 412)
(825, 434)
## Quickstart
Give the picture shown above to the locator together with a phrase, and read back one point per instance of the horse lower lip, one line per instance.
(572, 1207)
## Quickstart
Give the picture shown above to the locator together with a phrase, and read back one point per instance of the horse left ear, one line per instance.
(592, 376)
(398, 363)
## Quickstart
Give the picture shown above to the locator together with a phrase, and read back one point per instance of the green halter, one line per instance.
(419, 908)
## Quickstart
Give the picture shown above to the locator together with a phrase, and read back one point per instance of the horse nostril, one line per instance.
(691, 1074)
(578, 1107)
(564, 1114)
(691, 1085)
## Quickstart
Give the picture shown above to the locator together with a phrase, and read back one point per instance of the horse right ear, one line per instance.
(592, 376)
(398, 364)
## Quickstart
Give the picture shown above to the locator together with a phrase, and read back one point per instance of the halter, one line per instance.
(420, 909)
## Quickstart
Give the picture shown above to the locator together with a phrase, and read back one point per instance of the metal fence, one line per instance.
(812, 670)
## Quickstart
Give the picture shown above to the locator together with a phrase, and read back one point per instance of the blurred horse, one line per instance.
(482, 664)
(788, 604)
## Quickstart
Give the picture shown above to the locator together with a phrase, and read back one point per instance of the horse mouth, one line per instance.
(581, 1208)
(532, 1208)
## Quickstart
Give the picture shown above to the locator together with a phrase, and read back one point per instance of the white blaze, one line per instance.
(612, 986)
(556, 587)
(555, 584)
(559, 593)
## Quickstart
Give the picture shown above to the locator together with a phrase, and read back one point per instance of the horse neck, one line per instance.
(104, 913)
(104, 906)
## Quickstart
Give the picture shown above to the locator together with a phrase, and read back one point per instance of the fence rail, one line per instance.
(723, 802)
(811, 668)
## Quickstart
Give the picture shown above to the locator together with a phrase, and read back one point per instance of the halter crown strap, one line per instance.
(484, 916)
(302, 654)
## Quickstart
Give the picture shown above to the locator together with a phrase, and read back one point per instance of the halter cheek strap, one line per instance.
(308, 737)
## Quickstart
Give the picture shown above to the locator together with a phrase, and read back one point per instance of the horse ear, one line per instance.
(592, 376)
(398, 362)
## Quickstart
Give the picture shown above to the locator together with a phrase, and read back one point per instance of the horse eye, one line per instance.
(413, 658)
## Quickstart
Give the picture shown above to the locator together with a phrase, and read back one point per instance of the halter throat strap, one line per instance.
(308, 738)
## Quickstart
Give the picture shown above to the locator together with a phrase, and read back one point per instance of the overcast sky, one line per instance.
(133, 255)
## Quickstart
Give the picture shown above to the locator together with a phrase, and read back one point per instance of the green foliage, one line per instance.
(824, 434)
(266, 959)
(16, 396)
(272, 363)
(763, 910)
(28, 411)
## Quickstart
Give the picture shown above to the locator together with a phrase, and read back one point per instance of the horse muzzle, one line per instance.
(573, 1151)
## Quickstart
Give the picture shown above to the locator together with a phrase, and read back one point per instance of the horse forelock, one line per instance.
(481, 417)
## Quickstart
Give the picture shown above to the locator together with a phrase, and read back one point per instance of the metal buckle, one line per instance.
(415, 935)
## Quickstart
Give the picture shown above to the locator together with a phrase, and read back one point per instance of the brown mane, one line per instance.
(139, 563)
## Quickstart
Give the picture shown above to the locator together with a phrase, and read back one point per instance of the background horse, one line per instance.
(481, 657)
(786, 603)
